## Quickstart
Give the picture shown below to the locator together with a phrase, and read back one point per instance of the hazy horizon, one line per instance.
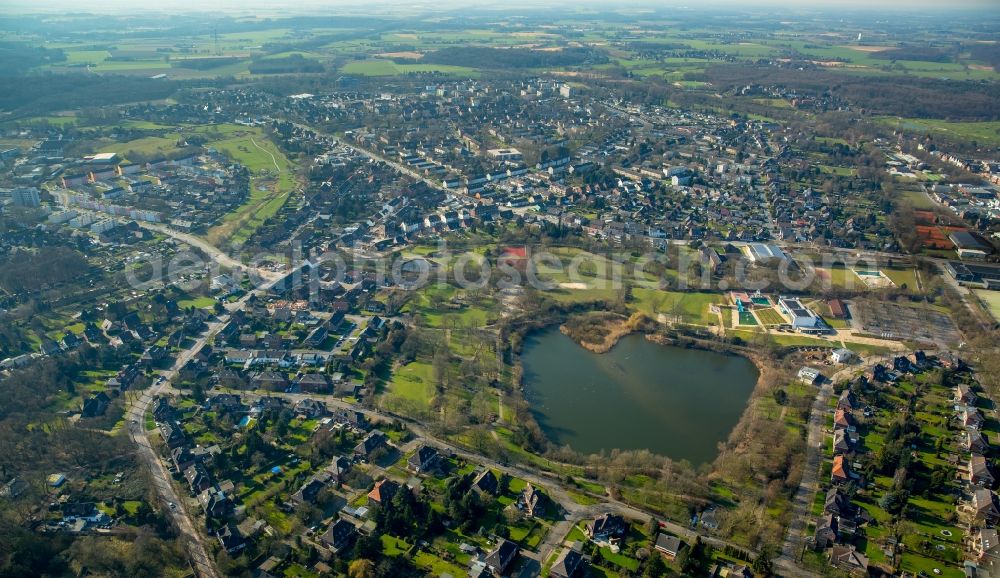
(382, 7)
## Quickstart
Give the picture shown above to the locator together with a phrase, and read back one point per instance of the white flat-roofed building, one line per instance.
(763, 252)
(800, 316)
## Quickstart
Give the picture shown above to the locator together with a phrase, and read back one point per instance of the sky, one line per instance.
(383, 6)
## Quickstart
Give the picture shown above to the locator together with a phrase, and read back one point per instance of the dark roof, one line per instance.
(79, 509)
(96, 405)
(424, 456)
(309, 491)
(837, 503)
(610, 524)
(567, 565)
(339, 534)
(970, 240)
(486, 482)
(314, 379)
(501, 557)
(668, 544)
(373, 440)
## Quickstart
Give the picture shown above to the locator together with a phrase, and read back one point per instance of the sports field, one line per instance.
(990, 300)
(770, 317)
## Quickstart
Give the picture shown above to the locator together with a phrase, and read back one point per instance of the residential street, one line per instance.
(795, 538)
(202, 563)
(785, 564)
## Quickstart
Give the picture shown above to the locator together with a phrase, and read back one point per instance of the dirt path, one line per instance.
(274, 161)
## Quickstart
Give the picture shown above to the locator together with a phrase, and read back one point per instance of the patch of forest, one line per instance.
(16, 57)
(506, 58)
(43, 93)
(294, 63)
(906, 96)
(989, 53)
(918, 53)
(32, 270)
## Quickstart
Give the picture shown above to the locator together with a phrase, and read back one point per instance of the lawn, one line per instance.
(272, 179)
(435, 305)
(691, 307)
(619, 559)
(435, 566)
(990, 300)
(786, 339)
(901, 277)
(197, 303)
(919, 200)
(392, 546)
(582, 499)
(413, 383)
(151, 146)
(984, 133)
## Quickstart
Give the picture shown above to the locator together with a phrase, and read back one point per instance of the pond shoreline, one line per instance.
(619, 329)
(647, 396)
(616, 328)
(625, 328)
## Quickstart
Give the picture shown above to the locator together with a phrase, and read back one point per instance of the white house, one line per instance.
(810, 375)
(842, 355)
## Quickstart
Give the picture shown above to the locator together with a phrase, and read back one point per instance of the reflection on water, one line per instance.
(672, 401)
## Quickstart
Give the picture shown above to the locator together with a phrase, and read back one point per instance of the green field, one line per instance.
(199, 303)
(901, 277)
(919, 200)
(413, 384)
(151, 146)
(990, 300)
(691, 307)
(436, 307)
(770, 317)
(273, 179)
(984, 133)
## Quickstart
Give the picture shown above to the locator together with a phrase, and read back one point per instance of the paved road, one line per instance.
(203, 564)
(553, 485)
(802, 502)
(212, 251)
(194, 540)
(795, 538)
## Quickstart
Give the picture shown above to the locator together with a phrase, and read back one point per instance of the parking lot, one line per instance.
(904, 322)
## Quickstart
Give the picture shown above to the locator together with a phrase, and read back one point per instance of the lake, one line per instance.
(672, 401)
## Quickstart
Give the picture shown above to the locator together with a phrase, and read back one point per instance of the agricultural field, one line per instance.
(985, 133)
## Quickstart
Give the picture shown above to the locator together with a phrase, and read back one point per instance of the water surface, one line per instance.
(670, 400)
